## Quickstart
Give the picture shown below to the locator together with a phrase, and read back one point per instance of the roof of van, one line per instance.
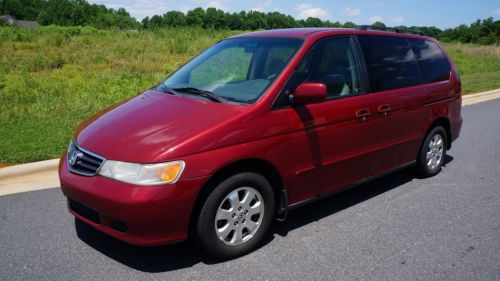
(307, 32)
(290, 32)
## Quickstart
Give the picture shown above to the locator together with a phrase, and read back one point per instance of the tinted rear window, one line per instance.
(433, 64)
(390, 62)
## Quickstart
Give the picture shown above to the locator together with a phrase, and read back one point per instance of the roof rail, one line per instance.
(390, 29)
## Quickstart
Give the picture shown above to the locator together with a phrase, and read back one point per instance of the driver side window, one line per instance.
(332, 62)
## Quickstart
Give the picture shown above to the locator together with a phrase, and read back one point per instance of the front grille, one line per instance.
(83, 211)
(83, 162)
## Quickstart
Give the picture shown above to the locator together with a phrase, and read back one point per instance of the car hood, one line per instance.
(152, 127)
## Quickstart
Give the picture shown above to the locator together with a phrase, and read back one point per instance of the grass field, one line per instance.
(53, 77)
(479, 66)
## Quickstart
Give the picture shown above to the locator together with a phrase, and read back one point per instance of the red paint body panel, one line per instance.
(316, 148)
(154, 215)
(142, 128)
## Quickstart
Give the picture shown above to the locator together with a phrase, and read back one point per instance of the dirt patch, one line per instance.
(3, 165)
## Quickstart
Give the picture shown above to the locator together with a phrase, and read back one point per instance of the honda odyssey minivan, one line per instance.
(256, 125)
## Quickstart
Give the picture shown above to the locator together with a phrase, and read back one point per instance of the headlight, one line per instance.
(143, 174)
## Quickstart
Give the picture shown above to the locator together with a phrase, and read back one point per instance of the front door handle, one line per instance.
(384, 109)
(362, 114)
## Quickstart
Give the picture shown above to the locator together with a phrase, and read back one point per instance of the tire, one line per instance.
(431, 157)
(230, 224)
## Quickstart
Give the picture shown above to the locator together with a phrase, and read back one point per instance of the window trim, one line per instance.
(362, 65)
(416, 61)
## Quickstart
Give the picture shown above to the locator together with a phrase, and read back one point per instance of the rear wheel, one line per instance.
(432, 152)
(236, 215)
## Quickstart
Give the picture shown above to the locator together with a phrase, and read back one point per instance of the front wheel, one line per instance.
(432, 152)
(236, 215)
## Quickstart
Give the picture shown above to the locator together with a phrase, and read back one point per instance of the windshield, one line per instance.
(237, 70)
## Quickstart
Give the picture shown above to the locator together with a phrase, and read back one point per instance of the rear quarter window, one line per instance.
(432, 62)
(390, 62)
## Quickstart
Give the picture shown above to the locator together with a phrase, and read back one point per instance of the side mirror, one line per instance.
(307, 93)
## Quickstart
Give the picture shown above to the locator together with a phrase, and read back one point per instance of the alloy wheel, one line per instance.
(239, 216)
(435, 151)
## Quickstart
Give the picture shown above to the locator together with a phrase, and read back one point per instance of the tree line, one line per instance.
(80, 12)
(243, 20)
(68, 13)
(484, 32)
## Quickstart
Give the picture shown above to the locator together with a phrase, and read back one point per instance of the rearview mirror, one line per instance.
(307, 93)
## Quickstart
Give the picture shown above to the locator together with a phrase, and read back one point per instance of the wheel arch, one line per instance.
(445, 123)
(257, 165)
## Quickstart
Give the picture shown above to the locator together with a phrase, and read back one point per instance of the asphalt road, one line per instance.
(396, 228)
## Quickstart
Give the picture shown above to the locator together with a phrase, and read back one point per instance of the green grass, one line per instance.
(54, 77)
(479, 66)
(480, 82)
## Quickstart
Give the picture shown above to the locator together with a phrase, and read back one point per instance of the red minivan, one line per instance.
(256, 125)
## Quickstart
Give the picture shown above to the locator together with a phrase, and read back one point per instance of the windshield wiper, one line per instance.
(204, 93)
(162, 88)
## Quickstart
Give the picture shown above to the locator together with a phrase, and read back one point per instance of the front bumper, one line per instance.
(137, 215)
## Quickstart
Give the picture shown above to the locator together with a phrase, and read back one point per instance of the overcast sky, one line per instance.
(440, 13)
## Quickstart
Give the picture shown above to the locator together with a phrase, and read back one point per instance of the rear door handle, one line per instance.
(362, 114)
(384, 109)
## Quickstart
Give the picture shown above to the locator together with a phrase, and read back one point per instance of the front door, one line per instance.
(335, 133)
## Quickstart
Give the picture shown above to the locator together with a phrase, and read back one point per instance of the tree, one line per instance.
(234, 21)
(349, 25)
(145, 22)
(81, 13)
(255, 20)
(379, 24)
(278, 20)
(156, 22)
(485, 31)
(214, 18)
(67, 12)
(336, 24)
(43, 18)
(174, 18)
(21, 9)
(291, 21)
(313, 22)
(195, 17)
(242, 15)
